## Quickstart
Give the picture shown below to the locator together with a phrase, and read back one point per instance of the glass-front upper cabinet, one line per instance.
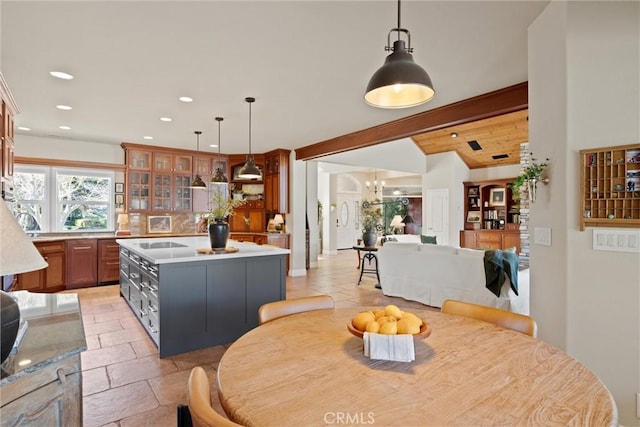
(167, 162)
(139, 159)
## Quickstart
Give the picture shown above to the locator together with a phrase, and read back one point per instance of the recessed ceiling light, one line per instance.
(64, 127)
(23, 128)
(61, 75)
(147, 137)
(63, 107)
(185, 99)
(165, 119)
(454, 135)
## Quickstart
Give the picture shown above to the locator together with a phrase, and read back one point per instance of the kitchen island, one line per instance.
(186, 300)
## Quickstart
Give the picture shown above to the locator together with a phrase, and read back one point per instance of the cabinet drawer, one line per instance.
(47, 248)
(108, 249)
(484, 237)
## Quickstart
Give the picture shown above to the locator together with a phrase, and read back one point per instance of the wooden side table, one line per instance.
(371, 258)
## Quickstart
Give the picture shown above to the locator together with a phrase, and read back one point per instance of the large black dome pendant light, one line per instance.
(219, 177)
(197, 182)
(249, 170)
(400, 82)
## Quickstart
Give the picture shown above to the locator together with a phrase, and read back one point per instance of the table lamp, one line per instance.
(123, 230)
(17, 255)
(396, 223)
(278, 220)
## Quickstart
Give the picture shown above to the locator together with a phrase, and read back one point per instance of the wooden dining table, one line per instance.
(307, 369)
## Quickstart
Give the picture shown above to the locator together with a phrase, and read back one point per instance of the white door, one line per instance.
(438, 215)
(347, 221)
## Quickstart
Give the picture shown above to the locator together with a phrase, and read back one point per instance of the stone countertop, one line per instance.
(184, 249)
(54, 237)
(54, 332)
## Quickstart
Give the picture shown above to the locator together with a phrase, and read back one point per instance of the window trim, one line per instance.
(51, 215)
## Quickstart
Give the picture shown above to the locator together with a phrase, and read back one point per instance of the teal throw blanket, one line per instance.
(497, 263)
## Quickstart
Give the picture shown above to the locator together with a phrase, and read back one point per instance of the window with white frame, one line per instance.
(56, 199)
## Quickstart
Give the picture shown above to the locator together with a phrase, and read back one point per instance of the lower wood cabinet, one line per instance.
(82, 263)
(490, 239)
(49, 279)
(108, 261)
(280, 240)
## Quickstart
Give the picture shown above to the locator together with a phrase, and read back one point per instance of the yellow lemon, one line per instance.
(378, 313)
(408, 325)
(393, 311)
(384, 319)
(409, 315)
(389, 328)
(361, 319)
(373, 327)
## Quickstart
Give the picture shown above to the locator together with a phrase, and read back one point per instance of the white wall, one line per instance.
(67, 149)
(446, 171)
(586, 302)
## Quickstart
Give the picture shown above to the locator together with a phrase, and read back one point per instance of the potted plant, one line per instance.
(371, 216)
(530, 176)
(221, 207)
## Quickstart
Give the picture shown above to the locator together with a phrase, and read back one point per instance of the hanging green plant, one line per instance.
(531, 173)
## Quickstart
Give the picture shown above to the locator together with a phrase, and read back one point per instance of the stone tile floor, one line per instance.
(126, 384)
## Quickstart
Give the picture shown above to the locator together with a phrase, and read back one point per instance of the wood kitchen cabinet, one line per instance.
(8, 110)
(158, 180)
(82, 263)
(249, 217)
(51, 278)
(108, 261)
(276, 181)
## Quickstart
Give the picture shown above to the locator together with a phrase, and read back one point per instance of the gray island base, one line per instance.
(188, 301)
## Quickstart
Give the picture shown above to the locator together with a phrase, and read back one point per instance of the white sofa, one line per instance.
(431, 274)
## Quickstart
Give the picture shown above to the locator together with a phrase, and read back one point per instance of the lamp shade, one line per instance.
(17, 253)
(197, 182)
(400, 82)
(396, 222)
(123, 219)
(249, 170)
(278, 219)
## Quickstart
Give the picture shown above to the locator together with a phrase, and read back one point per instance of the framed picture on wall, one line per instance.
(497, 197)
(159, 224)
(119, 187)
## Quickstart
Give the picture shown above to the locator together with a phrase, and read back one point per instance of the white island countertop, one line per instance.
(184, 249)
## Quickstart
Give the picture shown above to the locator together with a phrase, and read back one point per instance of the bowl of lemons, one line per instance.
(389, 320)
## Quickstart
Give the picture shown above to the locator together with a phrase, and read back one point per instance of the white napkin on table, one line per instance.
(398, 348)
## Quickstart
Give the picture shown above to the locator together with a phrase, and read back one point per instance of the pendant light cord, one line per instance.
(249, 129)
(399, 19)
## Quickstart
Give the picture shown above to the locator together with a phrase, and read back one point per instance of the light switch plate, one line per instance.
(617, 240)
(542, 236)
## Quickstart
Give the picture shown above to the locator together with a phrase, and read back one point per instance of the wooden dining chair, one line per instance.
(276, 309)
(199, 395)
(507, 319)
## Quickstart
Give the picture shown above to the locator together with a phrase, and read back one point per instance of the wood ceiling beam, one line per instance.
(491, 104)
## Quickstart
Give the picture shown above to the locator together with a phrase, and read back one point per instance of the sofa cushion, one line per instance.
(438, 249)
(471, 252)
(397, 246)
(428, 239)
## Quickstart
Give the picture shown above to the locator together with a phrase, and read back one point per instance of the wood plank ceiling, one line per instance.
(496, 137)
